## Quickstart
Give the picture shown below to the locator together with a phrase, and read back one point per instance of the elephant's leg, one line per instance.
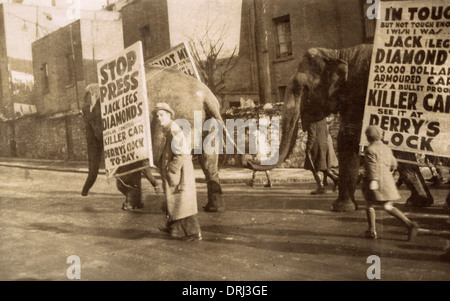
(349, 162)
(130, 186)
(209, 164)
(413, 179)
(95, 150)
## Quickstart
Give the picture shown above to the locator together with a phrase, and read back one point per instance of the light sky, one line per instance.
(189, 19)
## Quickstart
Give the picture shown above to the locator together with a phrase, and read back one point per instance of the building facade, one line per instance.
(63, 62)
(292, 26)
(146, 21)
(54, 58)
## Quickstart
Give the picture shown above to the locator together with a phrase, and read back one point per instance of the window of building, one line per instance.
(281, 93)
(146, 41)
(283, 36)
(369, 24)
(70, 70)
(45, 82)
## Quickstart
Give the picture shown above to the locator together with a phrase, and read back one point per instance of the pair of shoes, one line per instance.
(127, 206)
(193, 237)
(370, 234)
(209, 208)
(174, 233)
(269, 185)
(164, 229)
(412, 231)
(320, 190)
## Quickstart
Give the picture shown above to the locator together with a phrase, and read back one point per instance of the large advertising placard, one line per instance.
(125, 115)
(408, 94)
(178, 57)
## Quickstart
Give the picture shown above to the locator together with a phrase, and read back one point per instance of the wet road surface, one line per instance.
(271, 234)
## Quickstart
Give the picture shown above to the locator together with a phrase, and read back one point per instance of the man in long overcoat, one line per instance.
(177, 172)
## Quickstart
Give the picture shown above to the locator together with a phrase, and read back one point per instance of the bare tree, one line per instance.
(213, 62)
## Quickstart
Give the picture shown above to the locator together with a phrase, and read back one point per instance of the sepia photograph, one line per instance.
(232, 148)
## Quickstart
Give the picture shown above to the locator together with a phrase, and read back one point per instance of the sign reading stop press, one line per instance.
(125, 113)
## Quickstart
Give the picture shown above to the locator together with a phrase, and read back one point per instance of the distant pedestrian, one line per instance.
(318, 157)
(13, 146)
(262, 151)
(379, 187)
(177, 172)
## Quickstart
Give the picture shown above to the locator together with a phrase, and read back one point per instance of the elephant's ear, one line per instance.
(335, 75)
(92, 95)
(341, 69)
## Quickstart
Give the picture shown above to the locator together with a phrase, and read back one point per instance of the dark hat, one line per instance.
(163, 106)
(373, 133)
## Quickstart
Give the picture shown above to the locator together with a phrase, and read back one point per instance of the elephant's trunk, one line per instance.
(95, 150)
(289, 126)
(90, 180)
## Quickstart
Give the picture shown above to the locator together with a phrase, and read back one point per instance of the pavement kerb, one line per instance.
(228, 175)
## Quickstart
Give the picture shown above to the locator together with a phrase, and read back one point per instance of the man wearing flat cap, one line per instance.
(177, 172)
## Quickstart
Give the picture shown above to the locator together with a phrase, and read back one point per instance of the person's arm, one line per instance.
(393, 163)
(178, 148)
(178, 145)
(372, 170)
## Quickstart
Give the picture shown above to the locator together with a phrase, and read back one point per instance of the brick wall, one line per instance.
(314, 23)
(40, 137)
(78, 132)
(151, 13)
(6, 130)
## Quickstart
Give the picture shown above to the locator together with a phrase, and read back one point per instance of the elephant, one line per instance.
(185, 95)
(337, 80)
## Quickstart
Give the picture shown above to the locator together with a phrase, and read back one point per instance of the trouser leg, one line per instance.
(189, 225)
(318, 177)
(332, 176)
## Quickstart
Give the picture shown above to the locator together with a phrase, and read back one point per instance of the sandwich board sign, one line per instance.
(125, 114)
(408, 93)
(178, 57)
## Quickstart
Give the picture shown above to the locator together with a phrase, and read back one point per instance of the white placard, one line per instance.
(408, 93)
(178, 57)
(125, 114)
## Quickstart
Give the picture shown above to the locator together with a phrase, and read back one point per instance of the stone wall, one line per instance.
(274, 111)
(43, 137)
